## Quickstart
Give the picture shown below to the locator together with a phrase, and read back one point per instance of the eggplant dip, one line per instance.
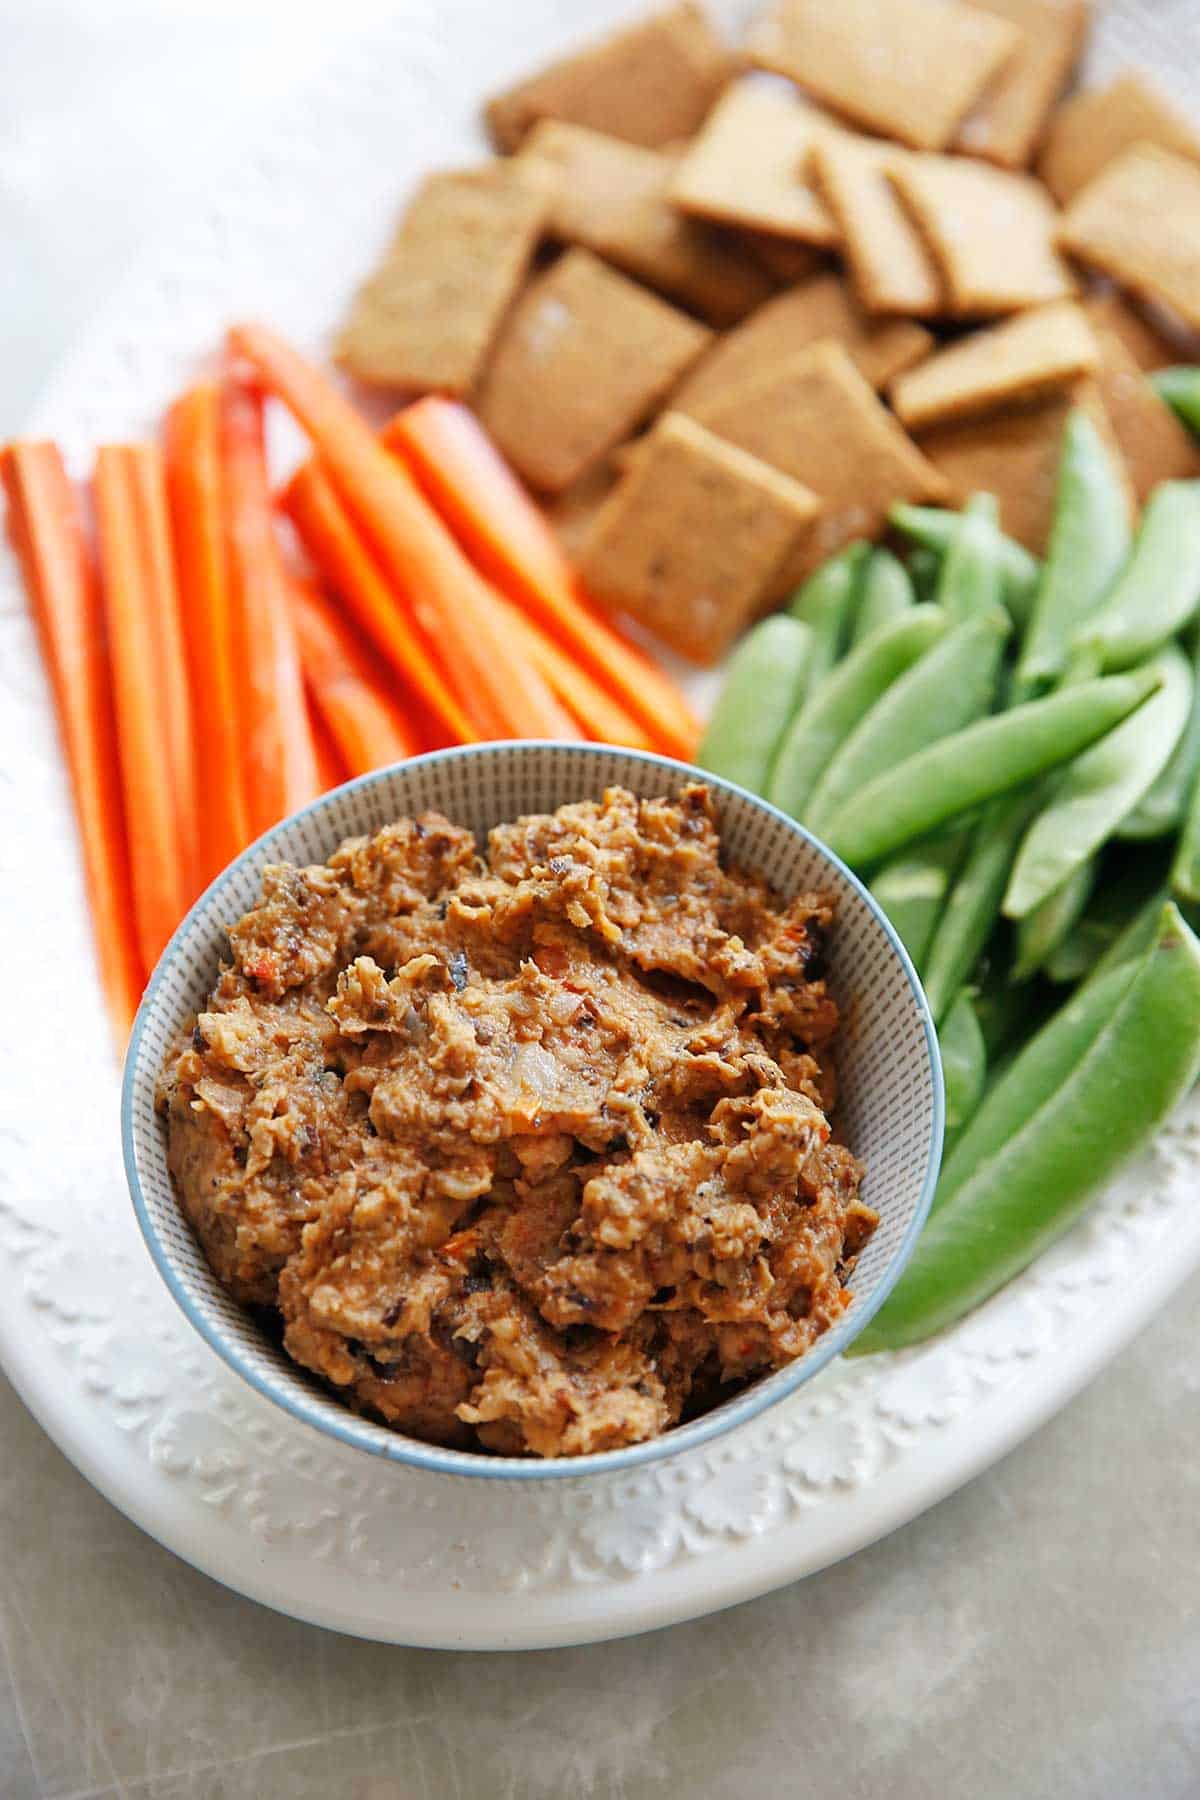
(526, 1152)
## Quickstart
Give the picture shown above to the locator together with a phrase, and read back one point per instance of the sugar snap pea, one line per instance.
(1089, 541)
(826, 604)
(964, 1061)
(1068, 1142)
(885, 590)
(947, 688)
(1119, 896)
(1185, 869)
(1041, 931)
(912, 889)
(1158, 590)
(762, 689)
(1007, 1015)
(993, 756)
(1162, 807)
(845, 696)
(971, 579)
(1100, 787)
(932, 527)
(924, 567)
(1180, 388)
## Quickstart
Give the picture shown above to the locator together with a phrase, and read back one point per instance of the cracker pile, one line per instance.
(723, 308)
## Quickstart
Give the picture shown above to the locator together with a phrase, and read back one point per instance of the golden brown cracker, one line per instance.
(583, 357)
(1147, 343)
(649, 83)
(746, 166)
(991, 232)
(1027, 356)
(1155, 445)
(427, 315)
(573, 512)
(907, 69)
(1007, 121)
(820, 308)
(785, 259)
(817, 419)
(1139, 221)
(611, 197)
(1015, 456)
(690, 539)
(889, 263)
(1092, 128)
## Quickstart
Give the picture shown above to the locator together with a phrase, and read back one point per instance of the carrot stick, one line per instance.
(363, 719)
(193, 459)
(331, 770)
(418, 553)
(474, 489)
(600, 716)
(278, 759)
(132, 597)
(336, 546)
(64, 596)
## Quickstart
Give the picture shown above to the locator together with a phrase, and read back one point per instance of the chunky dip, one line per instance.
(526, 1153)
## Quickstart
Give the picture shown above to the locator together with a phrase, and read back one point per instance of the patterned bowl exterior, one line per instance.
(890, 1080)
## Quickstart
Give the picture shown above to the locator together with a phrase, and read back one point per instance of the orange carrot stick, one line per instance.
(474, 489)
(64, 596)
(193, 459)
(331, 770)
(363, 719)
(417, 551)
(336, 546)
(278, 759)
(600, 716)
(132, 597)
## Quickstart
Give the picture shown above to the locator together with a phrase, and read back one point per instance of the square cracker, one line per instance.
(816, 418)
(1154, 443)
(689, 541)
(820, 308)
(1020, 360)
(1149, 347)
(747, 165)
(1007, 121)
(892, 270)
(649, 83)
(427, 315)
(1139, 222)
(786, 260)
(1015, 456)
(583, 357)
(1095, 126)
(991, 232)
(908, 69)
(611, 197)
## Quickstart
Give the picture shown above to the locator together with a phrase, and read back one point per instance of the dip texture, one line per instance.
(528, 1153)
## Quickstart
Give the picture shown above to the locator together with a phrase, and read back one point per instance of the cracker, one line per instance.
(1014, 456)
(611, 197)
(427, 316)
(892, 270)
(584, 355)
(689, 541)
(1094, 127)
(573, 513)
(991, 232)
(908, 69)
(1027, 356)
(816, 418)
(1006, 123)
(747, 165)
(649, 83)
(786, 260)
(1149, 346)
(821, 308)
(1139, 222)
(1155, 445)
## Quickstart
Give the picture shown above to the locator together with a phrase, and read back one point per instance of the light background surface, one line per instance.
(1036, 1635)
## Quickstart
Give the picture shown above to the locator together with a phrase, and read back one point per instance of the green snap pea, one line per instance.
(1118, 899)
(912, 889)
(971, 579)
(924, 568)
(826, 604)
(1185, 869)
(1180, 388)
(991, 757)
(885, 591)
(762, 689)
(1028, 1191)
(1101, 787)
(946, 689)
(1158, 590)
(1042, 931)
(845, 697)
(964, 1062)
(1089, 541)
(1133, 940)
(932, 527)
(1162, 807)
(1006, 1014)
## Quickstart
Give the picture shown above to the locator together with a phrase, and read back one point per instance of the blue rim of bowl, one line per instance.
(394, 1447)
